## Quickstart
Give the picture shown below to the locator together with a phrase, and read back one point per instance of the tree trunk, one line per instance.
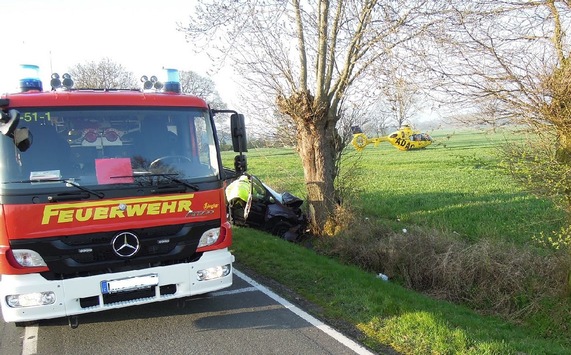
(316, 148)
(563, 153)
(316, 135)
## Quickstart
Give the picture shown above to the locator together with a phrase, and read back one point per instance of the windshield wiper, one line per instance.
(65, 195)
(69, 182)
(163, 189)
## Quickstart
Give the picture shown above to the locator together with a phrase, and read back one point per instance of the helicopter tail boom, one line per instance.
(360, 141)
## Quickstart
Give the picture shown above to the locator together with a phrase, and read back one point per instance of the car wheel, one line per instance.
(281, 228)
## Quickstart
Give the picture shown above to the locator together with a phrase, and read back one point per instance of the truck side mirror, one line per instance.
(238, 128)
(8, 122)
(8, 126)
(23, 138)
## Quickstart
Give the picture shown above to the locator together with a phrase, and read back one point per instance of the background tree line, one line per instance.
(107, 74)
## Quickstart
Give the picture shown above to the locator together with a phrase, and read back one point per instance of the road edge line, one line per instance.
(30, 342)
(351, 344)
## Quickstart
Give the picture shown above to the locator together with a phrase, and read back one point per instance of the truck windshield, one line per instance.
(95, 146)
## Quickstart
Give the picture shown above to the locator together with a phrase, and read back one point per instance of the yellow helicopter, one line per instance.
(404, 139)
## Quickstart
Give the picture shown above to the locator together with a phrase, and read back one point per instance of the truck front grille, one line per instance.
(91, 254)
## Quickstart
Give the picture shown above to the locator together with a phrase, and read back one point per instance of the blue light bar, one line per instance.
(30, 78)
(172, 83)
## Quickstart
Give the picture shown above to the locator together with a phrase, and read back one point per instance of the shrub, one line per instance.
(489, 276)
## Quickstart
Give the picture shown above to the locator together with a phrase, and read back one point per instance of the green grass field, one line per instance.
(454, 186)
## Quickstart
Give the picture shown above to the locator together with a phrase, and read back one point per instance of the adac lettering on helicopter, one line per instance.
(406, 144)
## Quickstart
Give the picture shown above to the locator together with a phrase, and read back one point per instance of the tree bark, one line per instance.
(317, 151)
(317, 148)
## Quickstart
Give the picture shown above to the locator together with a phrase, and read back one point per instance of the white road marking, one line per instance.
(233, 292)
(359, 349)
(30, 343)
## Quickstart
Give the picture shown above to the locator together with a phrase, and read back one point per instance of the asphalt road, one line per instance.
(246, 318)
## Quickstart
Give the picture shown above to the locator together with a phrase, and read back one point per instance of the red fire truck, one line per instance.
(110, 198)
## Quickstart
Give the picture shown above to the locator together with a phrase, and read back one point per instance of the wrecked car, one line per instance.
(252, 203)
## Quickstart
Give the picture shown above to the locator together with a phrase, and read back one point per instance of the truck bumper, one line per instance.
(109, 291)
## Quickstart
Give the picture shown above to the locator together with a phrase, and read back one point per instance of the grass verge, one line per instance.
(384, 312)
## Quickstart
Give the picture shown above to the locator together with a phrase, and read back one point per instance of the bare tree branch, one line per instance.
(104, 74)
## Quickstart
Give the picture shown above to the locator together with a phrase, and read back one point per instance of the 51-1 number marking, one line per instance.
(34, 116)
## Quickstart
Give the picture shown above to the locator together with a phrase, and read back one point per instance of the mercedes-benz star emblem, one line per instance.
(125, 244)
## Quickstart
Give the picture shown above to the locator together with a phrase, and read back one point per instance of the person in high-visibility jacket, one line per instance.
(237, 194)
(239, 189)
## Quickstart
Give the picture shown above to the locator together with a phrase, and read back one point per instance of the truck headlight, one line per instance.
(31, 299)
(213, 272)
(28, 258)
(209, 237)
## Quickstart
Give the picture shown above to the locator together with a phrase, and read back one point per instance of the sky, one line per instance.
(141, 35)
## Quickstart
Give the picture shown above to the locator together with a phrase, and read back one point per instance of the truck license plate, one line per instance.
(129, 284)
